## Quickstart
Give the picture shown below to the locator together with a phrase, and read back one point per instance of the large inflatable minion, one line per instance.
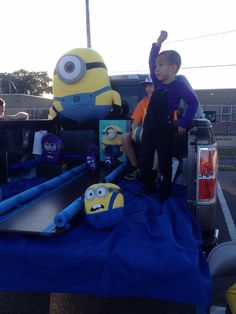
(112, 138)
(81, 88)
(104, 205)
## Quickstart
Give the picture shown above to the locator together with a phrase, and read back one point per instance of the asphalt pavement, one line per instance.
(227, 180)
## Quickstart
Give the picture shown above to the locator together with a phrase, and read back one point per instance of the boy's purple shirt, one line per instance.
(177, 90)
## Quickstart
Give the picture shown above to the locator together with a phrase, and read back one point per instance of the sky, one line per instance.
(35, 34)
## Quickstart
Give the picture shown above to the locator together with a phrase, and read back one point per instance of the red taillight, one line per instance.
(207, 189)
(206, 176)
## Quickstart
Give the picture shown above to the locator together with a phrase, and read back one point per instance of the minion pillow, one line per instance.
(104, 205)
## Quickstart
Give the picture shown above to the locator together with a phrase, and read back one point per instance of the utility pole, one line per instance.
(88, 24)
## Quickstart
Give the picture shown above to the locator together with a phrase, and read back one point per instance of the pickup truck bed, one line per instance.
(154, 252)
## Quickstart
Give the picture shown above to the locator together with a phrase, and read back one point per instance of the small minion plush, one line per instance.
(112, 136)
(137, 134)
(52, 147)
(104, 205)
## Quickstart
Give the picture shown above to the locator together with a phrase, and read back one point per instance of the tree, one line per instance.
(24, 82)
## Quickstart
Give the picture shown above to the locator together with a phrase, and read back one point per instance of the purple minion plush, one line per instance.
(52, 148)
(104, 205)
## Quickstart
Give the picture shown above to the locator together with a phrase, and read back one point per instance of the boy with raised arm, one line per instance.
(159, 124)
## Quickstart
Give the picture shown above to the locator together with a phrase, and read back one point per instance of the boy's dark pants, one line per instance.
(158, 134)
(161, 140)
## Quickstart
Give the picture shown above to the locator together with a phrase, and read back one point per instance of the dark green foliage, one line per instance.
(24, 82)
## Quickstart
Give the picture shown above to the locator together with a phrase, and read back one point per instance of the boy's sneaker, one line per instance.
(133, 174)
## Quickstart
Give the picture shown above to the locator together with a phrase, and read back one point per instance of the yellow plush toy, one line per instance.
(81, 87)
(104, 205)
(112, 136)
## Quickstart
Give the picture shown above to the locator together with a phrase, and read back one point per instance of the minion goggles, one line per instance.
(72, 68)
(111, 132)
(50, 147)
(101, 192)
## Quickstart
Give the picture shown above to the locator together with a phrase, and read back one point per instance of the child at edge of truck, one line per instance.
(160, 128)
(17, 116)
(130, 142)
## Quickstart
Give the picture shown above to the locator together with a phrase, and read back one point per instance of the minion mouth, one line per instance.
(96, 207)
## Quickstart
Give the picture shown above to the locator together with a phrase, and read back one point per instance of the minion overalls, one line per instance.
(158, 134)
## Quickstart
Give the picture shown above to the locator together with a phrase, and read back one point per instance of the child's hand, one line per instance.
(162, 37)
(181, 131)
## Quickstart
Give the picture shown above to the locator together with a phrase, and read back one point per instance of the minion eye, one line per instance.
(53, 146)
(70, 68)
(111, 133)
(46, 146)
(101, 192)
(89, 194)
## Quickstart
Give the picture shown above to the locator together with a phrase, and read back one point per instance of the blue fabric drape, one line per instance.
(154, 251)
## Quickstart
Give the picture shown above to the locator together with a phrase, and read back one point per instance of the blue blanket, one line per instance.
(154, 251)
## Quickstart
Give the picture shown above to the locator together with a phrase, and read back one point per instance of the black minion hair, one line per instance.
(173, 57)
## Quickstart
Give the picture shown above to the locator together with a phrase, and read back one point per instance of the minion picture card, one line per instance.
(110, 139)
